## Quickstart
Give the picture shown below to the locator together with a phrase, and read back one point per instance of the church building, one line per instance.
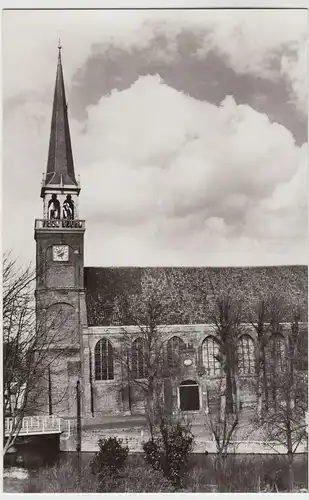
(94, 315)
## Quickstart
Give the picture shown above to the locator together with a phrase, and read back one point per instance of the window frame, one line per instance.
(104, 369)
(173, 351)
(277, 354)
(138, 365)
(247, 357)
(213, 366)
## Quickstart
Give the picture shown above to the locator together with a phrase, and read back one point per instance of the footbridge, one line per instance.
(37, 425)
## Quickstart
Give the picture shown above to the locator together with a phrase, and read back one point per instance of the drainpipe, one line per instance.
(90, 381)
(50, 404)
(78, 430)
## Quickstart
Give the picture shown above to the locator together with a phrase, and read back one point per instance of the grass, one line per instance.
(245, 473)
(64, 479)
(242, 474)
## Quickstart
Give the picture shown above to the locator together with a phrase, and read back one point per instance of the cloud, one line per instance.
(268, 44)
(166, 179)
(233, 34)
(294, 68)
(171, 171)
(79, 31)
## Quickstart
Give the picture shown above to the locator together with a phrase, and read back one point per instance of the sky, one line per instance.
(189, 132)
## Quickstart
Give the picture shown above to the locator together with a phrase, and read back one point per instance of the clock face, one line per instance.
(61, 253)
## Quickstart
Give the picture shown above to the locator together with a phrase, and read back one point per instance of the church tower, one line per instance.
(59, 236)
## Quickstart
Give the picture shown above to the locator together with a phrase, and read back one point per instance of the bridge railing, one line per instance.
(34, 425)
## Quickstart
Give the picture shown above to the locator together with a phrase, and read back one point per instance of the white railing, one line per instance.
(50, 424)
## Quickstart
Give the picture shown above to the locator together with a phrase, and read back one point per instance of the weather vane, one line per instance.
(59, 44)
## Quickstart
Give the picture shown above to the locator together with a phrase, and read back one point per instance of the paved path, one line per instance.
(133, 431)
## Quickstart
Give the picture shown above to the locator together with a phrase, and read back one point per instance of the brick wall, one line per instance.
(111, 396)
(60, 276)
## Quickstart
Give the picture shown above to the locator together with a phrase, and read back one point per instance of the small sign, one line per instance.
(62, 223)
(187, 362)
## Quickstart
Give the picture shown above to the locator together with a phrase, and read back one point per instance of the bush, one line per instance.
(242, 474)
(152, 454)
(110, 457)
(171, 451)
(61, 478)
(64, 479)
(137, 479)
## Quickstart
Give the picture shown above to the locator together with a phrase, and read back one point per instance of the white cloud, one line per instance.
(178, 176)
(268, 44)
(249, 37)
(166, 179)
(29, 58)
(294, 67)
(253, 41)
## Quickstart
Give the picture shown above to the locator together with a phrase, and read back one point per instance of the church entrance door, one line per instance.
(189, 396)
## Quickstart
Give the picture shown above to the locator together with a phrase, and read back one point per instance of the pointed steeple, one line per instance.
(60, 166)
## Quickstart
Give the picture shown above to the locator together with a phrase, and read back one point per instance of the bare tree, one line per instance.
(223, 422)
(142, 354)
(266, 315)
(281, 370)
(258, 319)
(283, 423)
(33, 345)
(227, 319)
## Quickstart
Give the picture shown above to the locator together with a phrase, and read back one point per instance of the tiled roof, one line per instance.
(187, 291)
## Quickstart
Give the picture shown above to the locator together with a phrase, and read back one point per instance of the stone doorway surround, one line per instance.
(189, 396)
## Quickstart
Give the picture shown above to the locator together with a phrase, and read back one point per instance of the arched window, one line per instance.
(302, 350)
(174, 347)
(276, 352)
(103, 360)
(210, 353)
(246, 355)
(139, 368)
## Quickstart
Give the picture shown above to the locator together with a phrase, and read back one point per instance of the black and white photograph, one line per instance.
(155, 250)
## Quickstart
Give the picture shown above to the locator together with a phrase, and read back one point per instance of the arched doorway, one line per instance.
(189, 396)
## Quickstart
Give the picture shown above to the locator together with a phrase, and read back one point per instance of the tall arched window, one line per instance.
(174, 347)
(246, 355)
(103, 360)
(210, 353)
(302, 350)
(139, 367)
(276, 351)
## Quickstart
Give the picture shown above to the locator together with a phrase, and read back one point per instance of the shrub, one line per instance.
(152, 454)
(110, 457)
(137, 479)
(61, 478)
(200, 479)
(170, 451)
(243, 474)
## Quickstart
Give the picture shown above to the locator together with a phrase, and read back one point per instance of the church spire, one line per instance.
(60, 167)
